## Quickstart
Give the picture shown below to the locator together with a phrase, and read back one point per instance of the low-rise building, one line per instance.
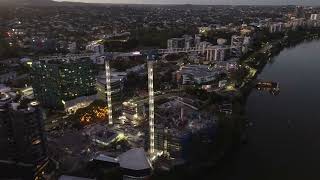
(226, 66)
(186, 42)
(276, 27)
(80, 102)
(204, 29)
(118, 80)
(95, 47)
(72, 47)
(196, 74)
(315, 17)
(175, 43)
(133, 164)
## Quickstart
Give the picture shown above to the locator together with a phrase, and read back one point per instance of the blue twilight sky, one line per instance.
(226, 2)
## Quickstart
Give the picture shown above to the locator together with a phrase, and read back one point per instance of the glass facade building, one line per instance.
(59, 80)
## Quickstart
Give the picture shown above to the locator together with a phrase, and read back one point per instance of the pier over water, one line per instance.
(272, 87)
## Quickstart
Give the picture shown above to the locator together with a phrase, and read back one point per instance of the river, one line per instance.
(284, 140)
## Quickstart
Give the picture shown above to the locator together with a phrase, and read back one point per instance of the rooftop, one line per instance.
(197, 70)
(115, 77)
(102, 157)
(134, 159)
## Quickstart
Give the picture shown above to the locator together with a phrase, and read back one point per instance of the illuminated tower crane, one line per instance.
(108, 58)
(151, 58)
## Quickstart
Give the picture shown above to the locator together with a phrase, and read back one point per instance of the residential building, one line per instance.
(197, 40)
(299, 12)
(220, 53)
(246, 44)
(188, 41)
(23, 144)
(96, 47)
(174, 43)
(118, 80)
(236, 46)
(315, 17)
(59, 80)
(276, 27)
(72, 47)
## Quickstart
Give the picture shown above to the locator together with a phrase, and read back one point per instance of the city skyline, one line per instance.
(150, 90)
(207, 2)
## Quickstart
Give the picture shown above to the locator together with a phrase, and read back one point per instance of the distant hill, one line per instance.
(44, 3)
(28, 2)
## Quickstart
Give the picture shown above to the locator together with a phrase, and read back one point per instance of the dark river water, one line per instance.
(284, 140)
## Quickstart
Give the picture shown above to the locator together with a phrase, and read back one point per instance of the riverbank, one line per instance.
(281, 143)
(258, 58)
(255, 62)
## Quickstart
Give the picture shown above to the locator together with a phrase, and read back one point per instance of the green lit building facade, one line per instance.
(59, 80)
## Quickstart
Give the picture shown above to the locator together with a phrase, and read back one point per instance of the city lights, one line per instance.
(128, 91)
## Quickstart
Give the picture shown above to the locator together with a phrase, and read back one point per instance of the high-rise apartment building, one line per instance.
(186, 42)
(299, 12)
(23, 150)
(197, 40)
(236, 46)
(56, 81)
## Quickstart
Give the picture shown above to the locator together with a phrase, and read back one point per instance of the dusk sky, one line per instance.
(227, 2)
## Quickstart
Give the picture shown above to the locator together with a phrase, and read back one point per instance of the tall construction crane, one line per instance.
(151, 57)
(108, 58)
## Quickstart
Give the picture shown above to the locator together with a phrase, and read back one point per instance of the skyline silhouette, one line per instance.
(208, 2)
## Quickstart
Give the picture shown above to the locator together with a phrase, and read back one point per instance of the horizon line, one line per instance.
(123, 3)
